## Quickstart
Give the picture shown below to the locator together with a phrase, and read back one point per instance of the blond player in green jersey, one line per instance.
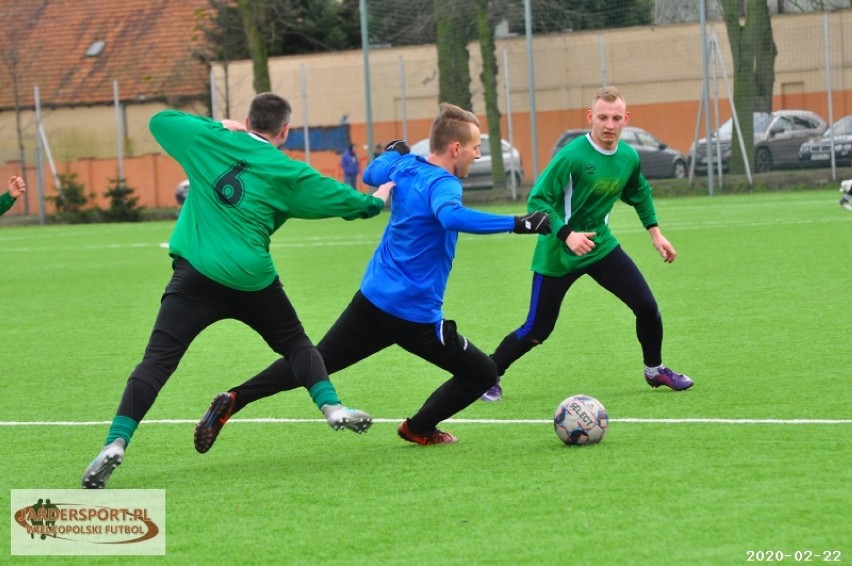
(243, 188)
(577, 190)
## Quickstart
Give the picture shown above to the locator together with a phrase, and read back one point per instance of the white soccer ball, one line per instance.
(580, 419)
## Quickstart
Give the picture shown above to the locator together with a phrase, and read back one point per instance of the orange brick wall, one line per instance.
(155, 176)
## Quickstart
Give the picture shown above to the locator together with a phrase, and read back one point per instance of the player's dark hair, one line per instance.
(451, 125)
(268, 113)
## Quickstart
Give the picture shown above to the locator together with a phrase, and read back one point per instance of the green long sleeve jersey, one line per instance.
(578, 189)
(6, 202)
(242, 189)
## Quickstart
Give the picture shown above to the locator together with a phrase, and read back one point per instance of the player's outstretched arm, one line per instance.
(171, 129)
(233, 125)
(457, 217)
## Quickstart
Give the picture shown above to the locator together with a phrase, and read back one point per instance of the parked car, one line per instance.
(567, 137)
(817, 152)
(777, 139)
(480, 171)
(658, 160)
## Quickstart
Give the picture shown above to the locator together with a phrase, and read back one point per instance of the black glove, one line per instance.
(398, 146)
(532, 223)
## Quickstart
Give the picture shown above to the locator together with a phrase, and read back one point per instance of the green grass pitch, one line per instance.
(756, 309)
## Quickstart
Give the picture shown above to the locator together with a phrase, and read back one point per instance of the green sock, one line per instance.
(122, 427)
(323, 393)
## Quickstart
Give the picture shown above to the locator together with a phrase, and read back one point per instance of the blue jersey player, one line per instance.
(402, 292)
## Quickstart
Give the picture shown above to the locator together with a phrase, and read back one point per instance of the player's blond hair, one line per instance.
(451, 125)
(608, 94)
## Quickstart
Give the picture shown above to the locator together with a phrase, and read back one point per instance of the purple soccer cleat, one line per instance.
(669, 378)
(495, 393)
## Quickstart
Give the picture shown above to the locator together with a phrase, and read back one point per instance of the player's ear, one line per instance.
(626, 118)
(285, 131)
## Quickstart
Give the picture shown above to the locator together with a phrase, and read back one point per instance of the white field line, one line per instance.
(629, 420)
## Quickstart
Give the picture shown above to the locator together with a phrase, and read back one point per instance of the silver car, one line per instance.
(480, 171)
(777, 139)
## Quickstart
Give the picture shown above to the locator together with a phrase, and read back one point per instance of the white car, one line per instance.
(480, 171)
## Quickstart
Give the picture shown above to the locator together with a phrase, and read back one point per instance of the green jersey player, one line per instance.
(578, 190)
(243, 188)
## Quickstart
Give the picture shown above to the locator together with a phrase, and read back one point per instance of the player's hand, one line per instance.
(17, 187)
(532, 223)
(384, 191)
(665, 249)
(398, 146)
(580, 243)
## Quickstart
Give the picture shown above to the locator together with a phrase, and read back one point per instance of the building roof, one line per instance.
(148, 47)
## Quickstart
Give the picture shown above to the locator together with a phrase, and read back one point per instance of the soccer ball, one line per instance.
(580, 419)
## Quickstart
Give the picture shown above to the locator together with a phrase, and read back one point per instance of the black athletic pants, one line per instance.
(616, 273)
(191, 303)
(362, 330)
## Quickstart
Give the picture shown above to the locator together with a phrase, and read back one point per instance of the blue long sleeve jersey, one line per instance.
(407, 275)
